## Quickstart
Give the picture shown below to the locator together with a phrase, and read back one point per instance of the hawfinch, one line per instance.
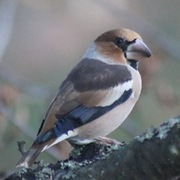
(96, 96)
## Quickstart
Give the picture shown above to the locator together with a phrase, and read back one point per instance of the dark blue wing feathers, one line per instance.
(85, 115)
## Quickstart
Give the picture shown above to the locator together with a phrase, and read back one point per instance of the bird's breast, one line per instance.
(105, 124)
(110, 121)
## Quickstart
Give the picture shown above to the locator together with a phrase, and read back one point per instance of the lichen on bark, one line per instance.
(153, 155)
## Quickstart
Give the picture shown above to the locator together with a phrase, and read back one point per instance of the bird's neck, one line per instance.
(93, 53)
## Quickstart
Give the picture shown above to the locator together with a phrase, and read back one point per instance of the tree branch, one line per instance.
(153, 155)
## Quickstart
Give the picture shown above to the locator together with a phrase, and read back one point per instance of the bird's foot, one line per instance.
(108, 141)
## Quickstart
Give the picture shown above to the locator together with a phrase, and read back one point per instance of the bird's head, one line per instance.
(119, 46)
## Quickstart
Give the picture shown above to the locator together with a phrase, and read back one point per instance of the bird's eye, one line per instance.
(119, 42)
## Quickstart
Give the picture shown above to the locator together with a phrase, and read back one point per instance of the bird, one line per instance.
(96, 96)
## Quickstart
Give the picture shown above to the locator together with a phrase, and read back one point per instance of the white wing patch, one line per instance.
(61, 138)
(115, 93)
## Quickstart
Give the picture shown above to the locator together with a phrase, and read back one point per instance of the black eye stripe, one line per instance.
(122, 43)
(119, 41)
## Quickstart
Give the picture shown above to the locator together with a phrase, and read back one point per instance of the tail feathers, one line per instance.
(28, 158)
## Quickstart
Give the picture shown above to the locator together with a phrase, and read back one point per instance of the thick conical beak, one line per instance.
(138, 50)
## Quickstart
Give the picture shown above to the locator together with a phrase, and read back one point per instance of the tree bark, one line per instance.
(153, 155)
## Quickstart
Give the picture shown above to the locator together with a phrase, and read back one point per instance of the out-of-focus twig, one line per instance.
(8, 114)
(24, 84)
(7, 14)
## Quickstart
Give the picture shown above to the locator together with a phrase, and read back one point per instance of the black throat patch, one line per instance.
(133, 63)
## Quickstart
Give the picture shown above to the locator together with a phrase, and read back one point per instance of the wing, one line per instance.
(91, 89)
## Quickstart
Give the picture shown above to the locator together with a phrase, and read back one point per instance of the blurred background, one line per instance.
(40, 42)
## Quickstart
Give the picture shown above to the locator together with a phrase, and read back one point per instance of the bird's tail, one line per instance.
(28, 158)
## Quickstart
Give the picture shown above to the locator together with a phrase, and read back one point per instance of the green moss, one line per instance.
(166, 127)
(147, 135)
(160, 132)
(174, 150)
(45, 173)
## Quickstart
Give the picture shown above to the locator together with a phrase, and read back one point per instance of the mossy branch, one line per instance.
(153, 155)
